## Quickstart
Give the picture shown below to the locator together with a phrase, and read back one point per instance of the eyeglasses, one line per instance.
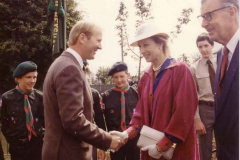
(208, 16)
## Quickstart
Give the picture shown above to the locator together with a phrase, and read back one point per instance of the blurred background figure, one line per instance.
(118, 105)
(203, 72)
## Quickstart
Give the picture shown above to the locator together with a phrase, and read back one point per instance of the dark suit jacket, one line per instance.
(98, 113)
(227, 110)
(69, 113)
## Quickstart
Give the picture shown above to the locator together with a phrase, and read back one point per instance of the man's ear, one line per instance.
(233, 11)
(81, 38)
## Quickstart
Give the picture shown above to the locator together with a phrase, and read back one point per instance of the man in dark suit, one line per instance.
(68, 103)
(220, 19)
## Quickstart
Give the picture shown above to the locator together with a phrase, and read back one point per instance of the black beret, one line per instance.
(117, 67)
(23, 68)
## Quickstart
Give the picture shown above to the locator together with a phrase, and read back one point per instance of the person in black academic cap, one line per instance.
(118, 106)
(22, 115)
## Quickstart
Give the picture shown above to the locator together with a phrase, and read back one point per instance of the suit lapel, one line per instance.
(231, 73)
(83, 75)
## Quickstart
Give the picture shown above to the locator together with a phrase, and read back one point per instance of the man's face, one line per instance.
(120, 79)
(93, 44)
(27, 81)
(205, 48)
(220, 26)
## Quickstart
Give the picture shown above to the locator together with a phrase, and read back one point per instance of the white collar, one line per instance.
(76, 55)
(231, 45)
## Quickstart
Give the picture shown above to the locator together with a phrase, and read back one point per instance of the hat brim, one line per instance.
(141, 37)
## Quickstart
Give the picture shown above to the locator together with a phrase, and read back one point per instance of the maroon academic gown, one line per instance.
(174, 106)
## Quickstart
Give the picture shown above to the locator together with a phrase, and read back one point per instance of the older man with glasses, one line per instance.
(220, 19)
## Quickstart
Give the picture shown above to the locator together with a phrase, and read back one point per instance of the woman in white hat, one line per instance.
(167, 99)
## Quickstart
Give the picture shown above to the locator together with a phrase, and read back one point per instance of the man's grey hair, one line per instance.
(227, 3)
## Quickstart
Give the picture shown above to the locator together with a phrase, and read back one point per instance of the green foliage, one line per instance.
(72, 15)
(102, 74)
(24, 37)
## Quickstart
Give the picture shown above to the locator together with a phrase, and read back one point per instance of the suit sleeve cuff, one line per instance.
(164, 144)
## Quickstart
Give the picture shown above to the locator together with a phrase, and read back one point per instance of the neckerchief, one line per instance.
(28, 113)
(123, 116)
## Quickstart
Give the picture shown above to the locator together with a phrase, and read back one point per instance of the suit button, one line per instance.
(112, 111)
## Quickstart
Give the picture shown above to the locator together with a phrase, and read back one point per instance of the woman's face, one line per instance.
(149, 49)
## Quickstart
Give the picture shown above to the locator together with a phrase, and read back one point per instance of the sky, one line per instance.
(165, 12)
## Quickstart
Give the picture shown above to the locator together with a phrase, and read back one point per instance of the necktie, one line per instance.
(224, 66)
(28, 113)
(123, 116)
(211, 72)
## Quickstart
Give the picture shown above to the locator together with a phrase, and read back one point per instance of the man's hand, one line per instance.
(152, 151)
(116, 143)
(101, 155)
(200, 128)
(123, 135)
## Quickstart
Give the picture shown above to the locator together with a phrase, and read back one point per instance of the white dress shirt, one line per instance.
(231, 45)
(76, 55)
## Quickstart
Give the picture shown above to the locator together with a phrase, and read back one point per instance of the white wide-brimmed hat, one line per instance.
(146, 31)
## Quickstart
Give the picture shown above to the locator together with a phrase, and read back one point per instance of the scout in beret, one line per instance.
(118, 105)
(24, 68)
(118, 67)
(22, 114)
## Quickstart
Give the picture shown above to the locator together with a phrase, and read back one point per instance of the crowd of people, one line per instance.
(71, 120)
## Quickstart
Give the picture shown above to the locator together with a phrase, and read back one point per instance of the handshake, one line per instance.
(118, 140)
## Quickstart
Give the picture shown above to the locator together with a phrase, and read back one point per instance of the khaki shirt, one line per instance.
(202, 80)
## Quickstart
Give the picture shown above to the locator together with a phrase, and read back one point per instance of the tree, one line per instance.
(102, 74)
(183, 19)
(184, 58)
(143, 13)
(25, 37)
(72, 15)
(121, 27)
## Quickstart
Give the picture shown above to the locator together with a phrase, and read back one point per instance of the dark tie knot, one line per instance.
(209, 62)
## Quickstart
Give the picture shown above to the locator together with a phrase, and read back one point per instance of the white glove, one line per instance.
(123, 135)
(152, 151)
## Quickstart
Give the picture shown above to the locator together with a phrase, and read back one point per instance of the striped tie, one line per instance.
(123, 116)
(28, 113)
